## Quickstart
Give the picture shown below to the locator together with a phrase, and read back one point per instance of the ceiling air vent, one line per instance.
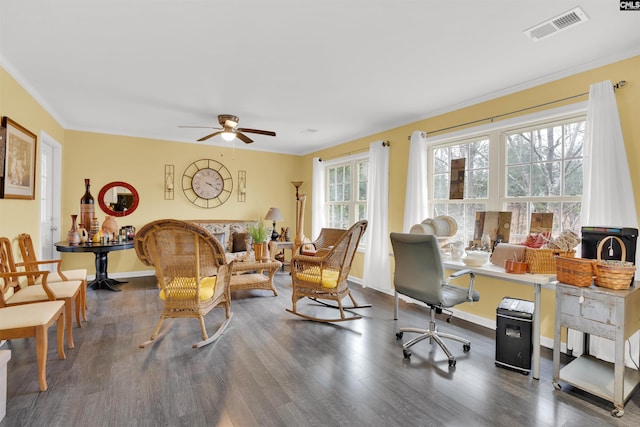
(556, 24)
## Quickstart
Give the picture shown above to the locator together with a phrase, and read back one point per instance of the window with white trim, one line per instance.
(531, 167)
(346, 191)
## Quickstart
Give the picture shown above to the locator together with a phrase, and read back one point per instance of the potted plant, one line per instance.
(259, 234)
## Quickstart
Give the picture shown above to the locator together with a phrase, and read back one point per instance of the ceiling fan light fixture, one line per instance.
(228, 135)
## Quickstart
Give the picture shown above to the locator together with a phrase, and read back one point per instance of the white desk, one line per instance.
(535, 280)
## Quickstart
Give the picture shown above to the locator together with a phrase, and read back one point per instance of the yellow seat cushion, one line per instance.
(329, 278)
(207, 288)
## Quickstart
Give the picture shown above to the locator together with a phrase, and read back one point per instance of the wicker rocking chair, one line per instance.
(191, 270)
(324, 275)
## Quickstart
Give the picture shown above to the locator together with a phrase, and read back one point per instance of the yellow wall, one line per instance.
(492, 291)
(140, 162)
(22, 216)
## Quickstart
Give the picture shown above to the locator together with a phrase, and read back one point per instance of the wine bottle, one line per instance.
(87, 205)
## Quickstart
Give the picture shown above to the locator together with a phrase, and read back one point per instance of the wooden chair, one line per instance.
(33, 320)
(31, 263)
(191, 270)
(324, 275)
(16, 291)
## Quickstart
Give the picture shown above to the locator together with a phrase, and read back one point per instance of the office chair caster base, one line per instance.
(399, 335)
(452, 363)
(557, 386)
(407, 354)
(466, 347)
(617, 412)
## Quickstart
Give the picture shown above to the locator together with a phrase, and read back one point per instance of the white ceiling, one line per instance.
(317, 72)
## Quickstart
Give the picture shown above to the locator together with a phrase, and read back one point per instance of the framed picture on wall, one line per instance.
(19, 179)
(3, 140)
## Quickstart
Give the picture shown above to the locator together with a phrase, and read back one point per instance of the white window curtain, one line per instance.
(317, 199)
(607, 190)
(377, 272)
(416, 202)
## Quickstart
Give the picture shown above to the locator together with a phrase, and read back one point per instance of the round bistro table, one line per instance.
(101, 251)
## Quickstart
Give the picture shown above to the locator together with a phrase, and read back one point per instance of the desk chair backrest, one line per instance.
(419, 273)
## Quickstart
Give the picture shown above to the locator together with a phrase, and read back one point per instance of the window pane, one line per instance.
(573, 178)
(362, 191)
(339, 193)
(547, 144)
(520, 220)
(477, 184)
(362, 211)
(519, 148)
(570, 216)
(363, 171)
(479, 154)
(468, 226)
(441, 186)
(518, 181)
(574, 138)
(342, 209)
(441, 160)
(459, 152)
(545, 179)
(439, 209)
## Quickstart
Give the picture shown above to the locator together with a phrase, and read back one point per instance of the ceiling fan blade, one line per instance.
(244, 138)
(204, 138)
(261, 132)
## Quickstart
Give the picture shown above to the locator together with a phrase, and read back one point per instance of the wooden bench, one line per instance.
(33, 320)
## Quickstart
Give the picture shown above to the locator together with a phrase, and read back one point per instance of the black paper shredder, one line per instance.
(514, 324)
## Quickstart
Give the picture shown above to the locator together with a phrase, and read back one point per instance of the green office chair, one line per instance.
(419, 274)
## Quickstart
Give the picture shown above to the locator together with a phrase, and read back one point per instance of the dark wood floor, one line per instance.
(272, 368)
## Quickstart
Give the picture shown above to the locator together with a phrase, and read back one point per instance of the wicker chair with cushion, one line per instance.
(186, 258)
(31, 263)
(324, 275)
(19, 287)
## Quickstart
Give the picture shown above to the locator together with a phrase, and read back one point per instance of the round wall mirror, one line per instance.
(118, 198)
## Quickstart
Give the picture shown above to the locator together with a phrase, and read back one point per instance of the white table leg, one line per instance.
(536, 330)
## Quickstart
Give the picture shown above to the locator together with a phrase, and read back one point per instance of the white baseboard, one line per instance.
(143, 273)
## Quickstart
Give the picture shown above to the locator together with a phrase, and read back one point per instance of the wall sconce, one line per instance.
(168, 182)
(242, 186)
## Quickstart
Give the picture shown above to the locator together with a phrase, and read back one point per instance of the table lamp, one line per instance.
(274, 215)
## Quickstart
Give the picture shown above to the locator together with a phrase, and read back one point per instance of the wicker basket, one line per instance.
(574, 271)
(613, 276)
(543, 261)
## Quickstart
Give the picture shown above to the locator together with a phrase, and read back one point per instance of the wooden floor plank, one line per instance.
(272, 368)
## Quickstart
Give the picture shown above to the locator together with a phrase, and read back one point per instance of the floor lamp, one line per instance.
(297, 184)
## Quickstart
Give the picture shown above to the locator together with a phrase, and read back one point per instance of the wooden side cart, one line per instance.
(607, 313)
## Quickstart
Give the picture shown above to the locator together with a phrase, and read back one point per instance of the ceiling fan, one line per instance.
(229, 130)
